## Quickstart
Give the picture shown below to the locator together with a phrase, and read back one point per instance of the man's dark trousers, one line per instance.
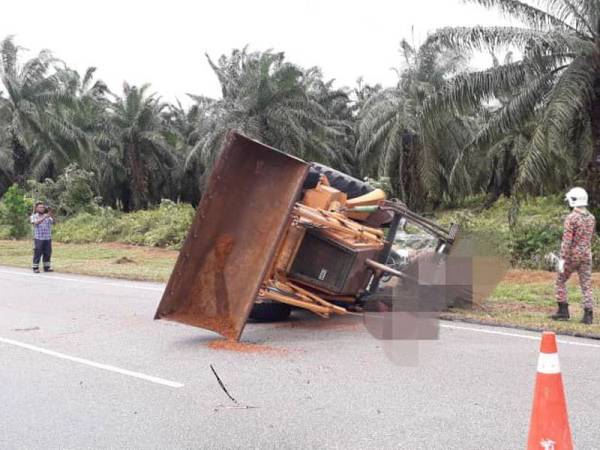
(42, 249)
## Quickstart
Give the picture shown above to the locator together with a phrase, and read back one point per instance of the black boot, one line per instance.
(588, 316)
(562, 313)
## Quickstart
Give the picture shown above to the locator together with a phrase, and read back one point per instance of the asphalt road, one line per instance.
(83, 365)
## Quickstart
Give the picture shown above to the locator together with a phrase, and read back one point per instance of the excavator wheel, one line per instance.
(352, 187)
(267, 311)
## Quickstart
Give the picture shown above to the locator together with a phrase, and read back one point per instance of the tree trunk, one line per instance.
(593, 169)
(409, 170)
(510, 173)
(50, 171)
(138, 181)
(125, 198)
(20, 161)
(493, 191)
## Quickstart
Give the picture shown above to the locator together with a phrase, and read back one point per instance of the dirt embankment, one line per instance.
(540, 276)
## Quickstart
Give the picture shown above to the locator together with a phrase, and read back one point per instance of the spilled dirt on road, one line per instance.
(245, 347)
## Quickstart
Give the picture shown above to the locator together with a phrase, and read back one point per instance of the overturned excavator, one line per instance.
(273, 233)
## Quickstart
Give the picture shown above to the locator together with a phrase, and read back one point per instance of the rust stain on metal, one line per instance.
(232, 243)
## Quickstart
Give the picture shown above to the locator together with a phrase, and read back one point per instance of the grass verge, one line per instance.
(523, 299)
(107, 260)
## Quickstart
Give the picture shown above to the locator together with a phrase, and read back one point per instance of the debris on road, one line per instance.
(244, 347)
(237, 404)
(26, 329)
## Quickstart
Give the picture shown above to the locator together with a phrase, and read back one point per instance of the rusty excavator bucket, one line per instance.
(234, 237)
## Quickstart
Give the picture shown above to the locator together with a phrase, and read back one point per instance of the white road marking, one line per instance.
(94, 364)
(517, 335)
(78, 280)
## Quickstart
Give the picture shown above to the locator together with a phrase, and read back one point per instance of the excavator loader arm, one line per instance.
(234, 237)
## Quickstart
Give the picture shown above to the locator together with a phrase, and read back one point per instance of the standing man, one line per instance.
(576, 255)
(42, 236)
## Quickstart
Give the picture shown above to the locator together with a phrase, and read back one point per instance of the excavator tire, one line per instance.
(352, 187)
(270, 312)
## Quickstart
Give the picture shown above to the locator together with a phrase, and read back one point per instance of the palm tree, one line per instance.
(187, 126)
(272, 100)
(555, 86)
(499, 164)
(6, 159)
(393, 137)
(340, 112)
(145, 153)
(360, 95)
(91, 112)
(88, 111)
(35, 133)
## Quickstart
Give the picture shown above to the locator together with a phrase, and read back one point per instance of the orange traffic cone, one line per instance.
(549, 428)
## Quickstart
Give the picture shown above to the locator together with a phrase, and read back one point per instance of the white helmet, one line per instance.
(577, 197)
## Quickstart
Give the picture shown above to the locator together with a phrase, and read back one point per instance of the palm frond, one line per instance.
(480, 38)
(528, 14)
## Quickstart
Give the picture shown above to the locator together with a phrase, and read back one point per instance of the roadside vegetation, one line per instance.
(80, 219)
(525, 299)
(525, 244)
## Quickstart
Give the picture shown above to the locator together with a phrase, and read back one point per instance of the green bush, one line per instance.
(529, 244)
(15, 209)
(86, 227)
(165, 226)
(5, 232)
(70, 194)
(537, 233)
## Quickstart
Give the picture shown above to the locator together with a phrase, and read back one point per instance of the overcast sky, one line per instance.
(164, 42)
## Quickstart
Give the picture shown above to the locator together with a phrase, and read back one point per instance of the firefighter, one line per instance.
(576, 255)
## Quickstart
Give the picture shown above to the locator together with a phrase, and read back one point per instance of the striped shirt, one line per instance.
(42, 231)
